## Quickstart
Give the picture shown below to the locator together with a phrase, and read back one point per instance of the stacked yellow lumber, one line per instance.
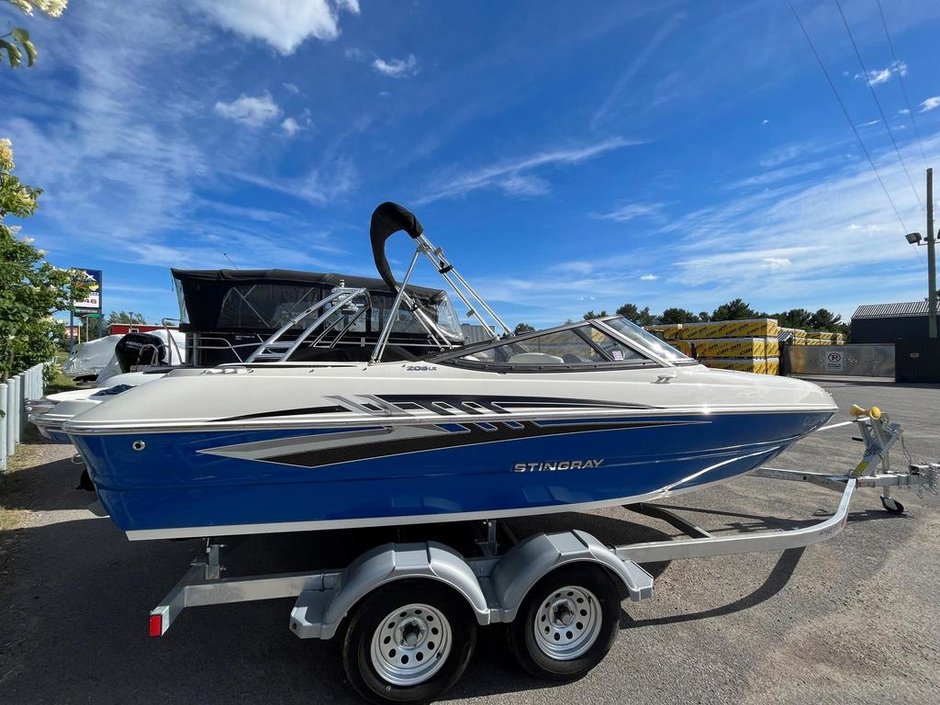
(798, 335)
(746, 345)
(734, 347)
(817, 338)
(683, 346)
(666, 331)
(744, 328)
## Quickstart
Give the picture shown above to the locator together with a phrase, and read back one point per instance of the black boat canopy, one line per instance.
(252, 299)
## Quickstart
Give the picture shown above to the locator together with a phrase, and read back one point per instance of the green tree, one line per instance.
(824, 319)
(704, 316)
(642, 317)
(17, 41)
(734, 310)
(677, 315)
(31, 289)
(590, 314)
(138, 318)
(794, 318)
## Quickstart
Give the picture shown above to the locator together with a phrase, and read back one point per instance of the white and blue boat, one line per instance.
(589, 414)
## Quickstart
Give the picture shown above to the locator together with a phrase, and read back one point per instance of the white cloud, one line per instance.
(634, 67)
(292, 88)
(786, 173)
(884, 75)
(775, 263)
(290, 127)
(284, 24)
(397, 68)
(877, 76)
(319, 186)
(931, 103)
(253, 111)
(764, 121)
(783, 154)
(649, 277)
(573, 267)
(509, 175)
(904, 111)
(114, 152)
(524, 185)
(869, 123)
(802, 245)
(631, 211)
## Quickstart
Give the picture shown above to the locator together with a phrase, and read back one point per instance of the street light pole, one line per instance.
(931, 262)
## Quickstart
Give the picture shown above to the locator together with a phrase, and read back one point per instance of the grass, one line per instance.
(11, 484)
(61, 383)
(12, 518)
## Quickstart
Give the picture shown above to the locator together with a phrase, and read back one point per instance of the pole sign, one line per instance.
(93, 300)
(835, 361)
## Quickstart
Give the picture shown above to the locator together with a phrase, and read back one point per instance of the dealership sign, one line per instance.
(93, 300)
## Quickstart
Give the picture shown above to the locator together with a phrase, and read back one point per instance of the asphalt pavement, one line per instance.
(852, 620)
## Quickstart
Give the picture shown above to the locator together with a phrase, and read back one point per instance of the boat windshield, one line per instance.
(574, 346)
(635, 334)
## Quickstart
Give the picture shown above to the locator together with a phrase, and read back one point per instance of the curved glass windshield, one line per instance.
(634, 333)
(577, 346)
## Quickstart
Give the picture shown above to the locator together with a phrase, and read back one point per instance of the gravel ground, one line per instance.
(851, 620)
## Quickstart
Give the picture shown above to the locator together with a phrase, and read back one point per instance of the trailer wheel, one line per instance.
(408, 642)
(567, 623)
(892, 505)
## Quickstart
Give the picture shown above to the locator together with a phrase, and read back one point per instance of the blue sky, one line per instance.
(567, 156)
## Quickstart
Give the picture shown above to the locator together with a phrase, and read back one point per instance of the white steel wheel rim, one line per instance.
(567, 622)
(411, 644)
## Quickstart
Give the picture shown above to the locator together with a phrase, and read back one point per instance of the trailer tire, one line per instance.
(567, 623)
(408, 642)
(892, 505)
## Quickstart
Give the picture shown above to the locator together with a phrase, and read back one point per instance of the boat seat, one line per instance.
(535, 358)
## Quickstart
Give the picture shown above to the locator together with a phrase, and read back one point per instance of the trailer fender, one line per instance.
(531, 560)
(383, 564)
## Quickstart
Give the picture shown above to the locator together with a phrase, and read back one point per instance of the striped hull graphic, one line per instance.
(240, 481)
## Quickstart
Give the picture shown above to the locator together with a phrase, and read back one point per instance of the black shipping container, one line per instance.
(917, 361)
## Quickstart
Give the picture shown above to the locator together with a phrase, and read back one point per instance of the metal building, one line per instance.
(886, 323)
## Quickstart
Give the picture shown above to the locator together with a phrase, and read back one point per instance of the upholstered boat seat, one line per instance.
(535, 358)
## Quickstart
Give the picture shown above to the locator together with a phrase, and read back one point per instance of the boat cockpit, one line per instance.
(611, 342)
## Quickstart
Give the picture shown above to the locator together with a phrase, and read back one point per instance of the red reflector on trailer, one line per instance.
(156, 625)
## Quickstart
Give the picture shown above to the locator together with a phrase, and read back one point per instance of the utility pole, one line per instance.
(931, 262)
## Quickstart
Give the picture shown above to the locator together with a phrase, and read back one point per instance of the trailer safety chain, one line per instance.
(930, 474)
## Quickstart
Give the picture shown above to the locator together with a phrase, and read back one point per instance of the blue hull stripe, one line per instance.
(176, 480)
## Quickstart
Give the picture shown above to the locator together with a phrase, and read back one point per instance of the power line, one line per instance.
(907, 101)
(848, 118)
(881, 112)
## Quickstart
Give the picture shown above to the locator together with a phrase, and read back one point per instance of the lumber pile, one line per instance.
(748, 345)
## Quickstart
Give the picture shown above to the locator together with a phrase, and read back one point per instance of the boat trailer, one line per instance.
(559, 592)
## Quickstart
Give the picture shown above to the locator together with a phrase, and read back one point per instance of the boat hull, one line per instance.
(174, 484)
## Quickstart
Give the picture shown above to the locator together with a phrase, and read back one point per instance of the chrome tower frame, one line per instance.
(461, 288)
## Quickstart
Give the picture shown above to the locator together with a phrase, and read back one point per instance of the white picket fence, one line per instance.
(14, 394)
